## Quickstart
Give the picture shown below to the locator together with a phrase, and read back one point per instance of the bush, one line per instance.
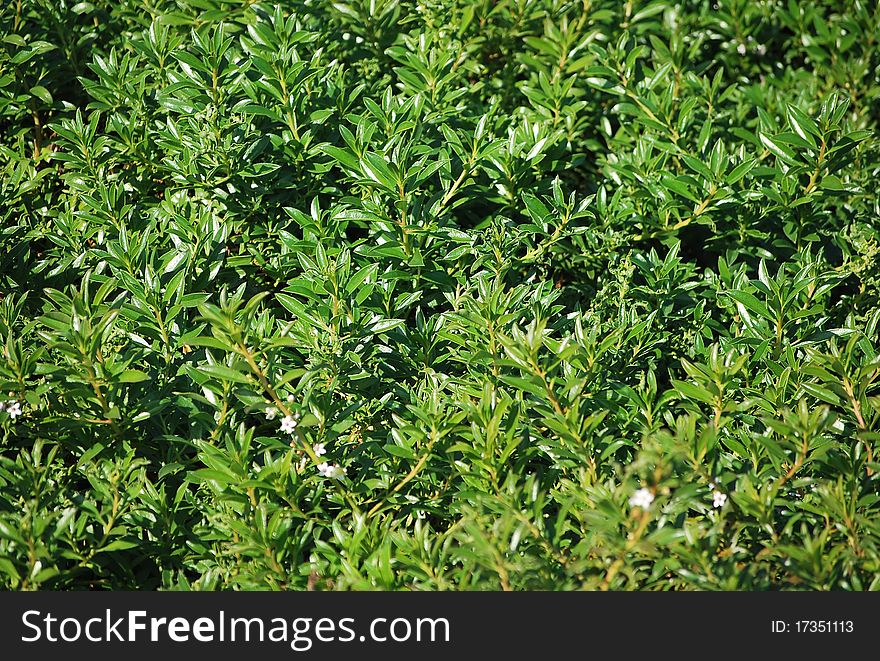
(451, 294)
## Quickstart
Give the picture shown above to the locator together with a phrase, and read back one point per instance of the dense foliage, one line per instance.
(450, 294)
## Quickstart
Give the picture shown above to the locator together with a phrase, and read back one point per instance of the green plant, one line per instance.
(450, 294)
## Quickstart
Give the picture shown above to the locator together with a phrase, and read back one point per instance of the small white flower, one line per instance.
(290, 398)
(288, 424)
(741, 49)
(331, 470)
(718, 499)
(271, 412)
(642, 498)
(319, 449)
(839, 425)
(13, 409)
(712, 485)
(762, 49)
(2, 405)
(303, 463)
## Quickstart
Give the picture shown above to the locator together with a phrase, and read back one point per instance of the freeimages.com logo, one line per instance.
(301, 633)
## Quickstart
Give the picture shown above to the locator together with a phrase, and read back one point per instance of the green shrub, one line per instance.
(451, 294)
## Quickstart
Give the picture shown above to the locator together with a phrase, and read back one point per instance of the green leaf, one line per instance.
(42, 94)
(691, 391)
(740, 171)
(748, 304)
(342, 157)
(780, 150)
(223, 373)
(132, 376)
